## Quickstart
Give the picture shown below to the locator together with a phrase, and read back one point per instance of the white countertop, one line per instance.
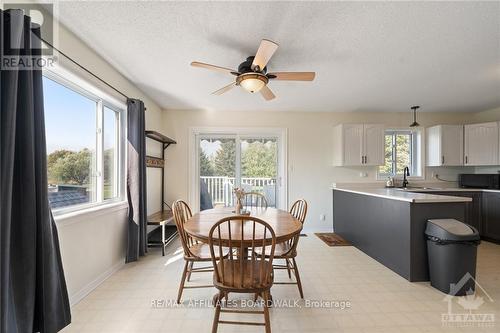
(403, 195)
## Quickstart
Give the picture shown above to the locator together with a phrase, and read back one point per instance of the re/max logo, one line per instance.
(41, 14)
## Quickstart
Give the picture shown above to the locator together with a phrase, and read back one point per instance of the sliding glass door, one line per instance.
(229, 161)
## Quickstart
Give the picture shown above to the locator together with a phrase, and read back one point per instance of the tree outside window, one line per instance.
(399, 153)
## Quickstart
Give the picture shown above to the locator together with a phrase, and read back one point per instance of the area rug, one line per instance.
(332, 239)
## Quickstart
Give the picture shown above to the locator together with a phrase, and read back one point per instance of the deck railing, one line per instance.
(221, 188)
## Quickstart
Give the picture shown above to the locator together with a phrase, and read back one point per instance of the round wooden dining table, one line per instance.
(285, 226)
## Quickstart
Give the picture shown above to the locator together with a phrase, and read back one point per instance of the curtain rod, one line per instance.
(85, 69)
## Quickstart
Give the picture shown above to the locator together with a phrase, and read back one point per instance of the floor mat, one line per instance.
(332, 239)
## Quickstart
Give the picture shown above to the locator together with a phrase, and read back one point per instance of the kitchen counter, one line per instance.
(404, 195)
(389, 224)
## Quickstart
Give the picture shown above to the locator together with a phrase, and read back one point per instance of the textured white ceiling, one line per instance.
(368, 56)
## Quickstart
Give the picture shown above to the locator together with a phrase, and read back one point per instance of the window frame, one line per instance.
(417, 171)
(119, 143)
(103, 100)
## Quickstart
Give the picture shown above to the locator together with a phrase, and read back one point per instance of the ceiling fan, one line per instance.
(252, 74)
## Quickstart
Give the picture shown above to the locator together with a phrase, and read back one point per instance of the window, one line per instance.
(402, 149)
(84, 145)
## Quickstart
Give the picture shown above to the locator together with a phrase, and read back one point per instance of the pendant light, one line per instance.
(415, 124)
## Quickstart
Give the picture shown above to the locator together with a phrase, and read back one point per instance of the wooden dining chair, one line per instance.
(254, 200)
(239, 273)
(287, 251)
(194, 251)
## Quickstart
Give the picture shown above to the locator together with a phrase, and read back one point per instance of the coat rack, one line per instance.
(164, 217)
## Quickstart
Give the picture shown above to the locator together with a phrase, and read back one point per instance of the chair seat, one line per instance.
(201, 251)
(281, 250)
(250, 280)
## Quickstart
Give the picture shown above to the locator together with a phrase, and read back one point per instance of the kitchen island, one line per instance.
(389, 224)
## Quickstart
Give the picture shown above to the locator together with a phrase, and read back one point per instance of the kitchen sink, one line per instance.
(409, 188)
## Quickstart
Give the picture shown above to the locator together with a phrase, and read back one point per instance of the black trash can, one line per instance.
(452, 251)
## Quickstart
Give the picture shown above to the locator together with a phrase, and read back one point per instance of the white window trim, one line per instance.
(82, 215)
(193, 157)
(70, 80)
(420, 133)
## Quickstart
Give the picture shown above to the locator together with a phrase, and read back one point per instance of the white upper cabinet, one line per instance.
(353, 144)
(481, 144)
(374, 144)
(358, 144)
(445, 145)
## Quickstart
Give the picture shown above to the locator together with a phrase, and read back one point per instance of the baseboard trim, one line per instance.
(314, 229)
(82, 293)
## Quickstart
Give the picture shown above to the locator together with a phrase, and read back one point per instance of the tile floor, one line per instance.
(381, 300)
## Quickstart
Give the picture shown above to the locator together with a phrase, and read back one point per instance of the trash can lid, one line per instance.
(451, 229)
(453, 226)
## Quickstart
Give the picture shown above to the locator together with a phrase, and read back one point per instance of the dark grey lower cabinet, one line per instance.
(473, 210)
(490, 228)
(483, 212)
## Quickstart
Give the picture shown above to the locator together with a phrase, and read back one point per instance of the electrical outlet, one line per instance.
(363, 174)
(322, 217)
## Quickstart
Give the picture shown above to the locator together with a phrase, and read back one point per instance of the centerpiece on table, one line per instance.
(239, 193)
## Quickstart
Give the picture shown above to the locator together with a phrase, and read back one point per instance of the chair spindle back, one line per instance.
(299, 211)
(241, 235)
(182, 213)
(254, 200)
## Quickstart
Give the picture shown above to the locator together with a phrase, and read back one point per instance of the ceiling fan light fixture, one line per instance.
(252, 73)
(252, 82)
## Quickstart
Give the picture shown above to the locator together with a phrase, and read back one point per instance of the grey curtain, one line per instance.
(33, 291)
(136, 181)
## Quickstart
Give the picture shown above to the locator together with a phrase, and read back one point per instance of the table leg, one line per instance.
(242, 253)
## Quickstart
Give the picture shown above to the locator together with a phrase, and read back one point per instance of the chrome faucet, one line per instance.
(406, 173)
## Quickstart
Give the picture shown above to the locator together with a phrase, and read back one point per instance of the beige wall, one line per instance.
(488, 115)
(93, 245)
(310, 150)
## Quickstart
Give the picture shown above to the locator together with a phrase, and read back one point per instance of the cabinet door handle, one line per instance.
(365, 159)
(466, 159)
(442, 159)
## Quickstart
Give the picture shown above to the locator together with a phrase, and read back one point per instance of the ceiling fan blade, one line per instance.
(292, 76)
(212, 67)
(267, 93)
(224, 89)
(264, 53)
